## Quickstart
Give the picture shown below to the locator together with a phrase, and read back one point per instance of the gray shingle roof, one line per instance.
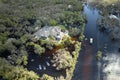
(49, 31)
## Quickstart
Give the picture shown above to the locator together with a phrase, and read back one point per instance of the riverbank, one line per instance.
(106, 6)
(88, 67)
(109, 22)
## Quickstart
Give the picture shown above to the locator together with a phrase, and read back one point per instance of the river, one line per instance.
(87, 67)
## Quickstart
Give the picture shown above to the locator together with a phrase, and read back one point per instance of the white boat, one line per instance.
(91, 40)
(40, 67)
(48, 64)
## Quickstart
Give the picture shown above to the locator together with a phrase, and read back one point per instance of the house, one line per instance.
(53, 31)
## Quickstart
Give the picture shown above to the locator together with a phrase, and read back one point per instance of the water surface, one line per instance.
(88, 68)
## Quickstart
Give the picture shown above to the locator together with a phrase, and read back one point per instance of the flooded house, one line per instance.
(51, 31)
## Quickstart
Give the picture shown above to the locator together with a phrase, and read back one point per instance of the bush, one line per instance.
(73, 19)
(53, 22)
(74, 32)
(25, 38)
(9, 72)
(10, 47)
(62, 59)
(47, 77)
(81, 37)
(36, 48)
(111, 26)
(3, 37)
(99, 55)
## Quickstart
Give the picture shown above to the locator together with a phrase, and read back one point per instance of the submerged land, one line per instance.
(42, 39)
(50, 29)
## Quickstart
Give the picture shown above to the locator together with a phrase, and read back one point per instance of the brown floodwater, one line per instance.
(87, 67)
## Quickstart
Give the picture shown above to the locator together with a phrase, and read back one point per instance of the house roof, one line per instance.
(48, 31)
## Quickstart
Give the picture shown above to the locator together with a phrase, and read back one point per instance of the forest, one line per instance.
(20, 19)
(59, 39)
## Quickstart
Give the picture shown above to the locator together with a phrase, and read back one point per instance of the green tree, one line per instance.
(47, 77)
(9, 72)
(62, 59)
(38, 49)
(99, 55)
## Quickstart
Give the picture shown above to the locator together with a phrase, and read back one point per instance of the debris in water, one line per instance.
(48, 64)
(40, 67)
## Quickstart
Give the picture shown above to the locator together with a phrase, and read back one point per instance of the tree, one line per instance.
(38, 49)
(10, 47)
(74, 31)
(9, 72)
(62, 59)
(47, 77)
(99, 55)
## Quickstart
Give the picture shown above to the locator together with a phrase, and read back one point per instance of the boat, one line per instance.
(91, 40)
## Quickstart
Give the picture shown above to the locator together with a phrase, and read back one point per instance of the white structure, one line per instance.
(69, 6)
(113, 17)
(91, 40)
(40, 67)
(48, 31)
(44, 67)
(48, 64)
(36, 28)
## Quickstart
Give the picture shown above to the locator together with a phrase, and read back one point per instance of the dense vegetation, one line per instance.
(19, 20)
(110, 26)
(109, 21)
(107, 7)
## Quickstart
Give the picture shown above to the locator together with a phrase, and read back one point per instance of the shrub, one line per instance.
(38, 49)
(53, 22)
(62, 59)
(99, 55)
(47, 77)
(9, 72)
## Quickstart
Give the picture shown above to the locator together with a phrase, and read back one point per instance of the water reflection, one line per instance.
(88, 68)
(111, 67)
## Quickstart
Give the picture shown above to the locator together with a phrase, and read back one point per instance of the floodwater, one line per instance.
(88, 68)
